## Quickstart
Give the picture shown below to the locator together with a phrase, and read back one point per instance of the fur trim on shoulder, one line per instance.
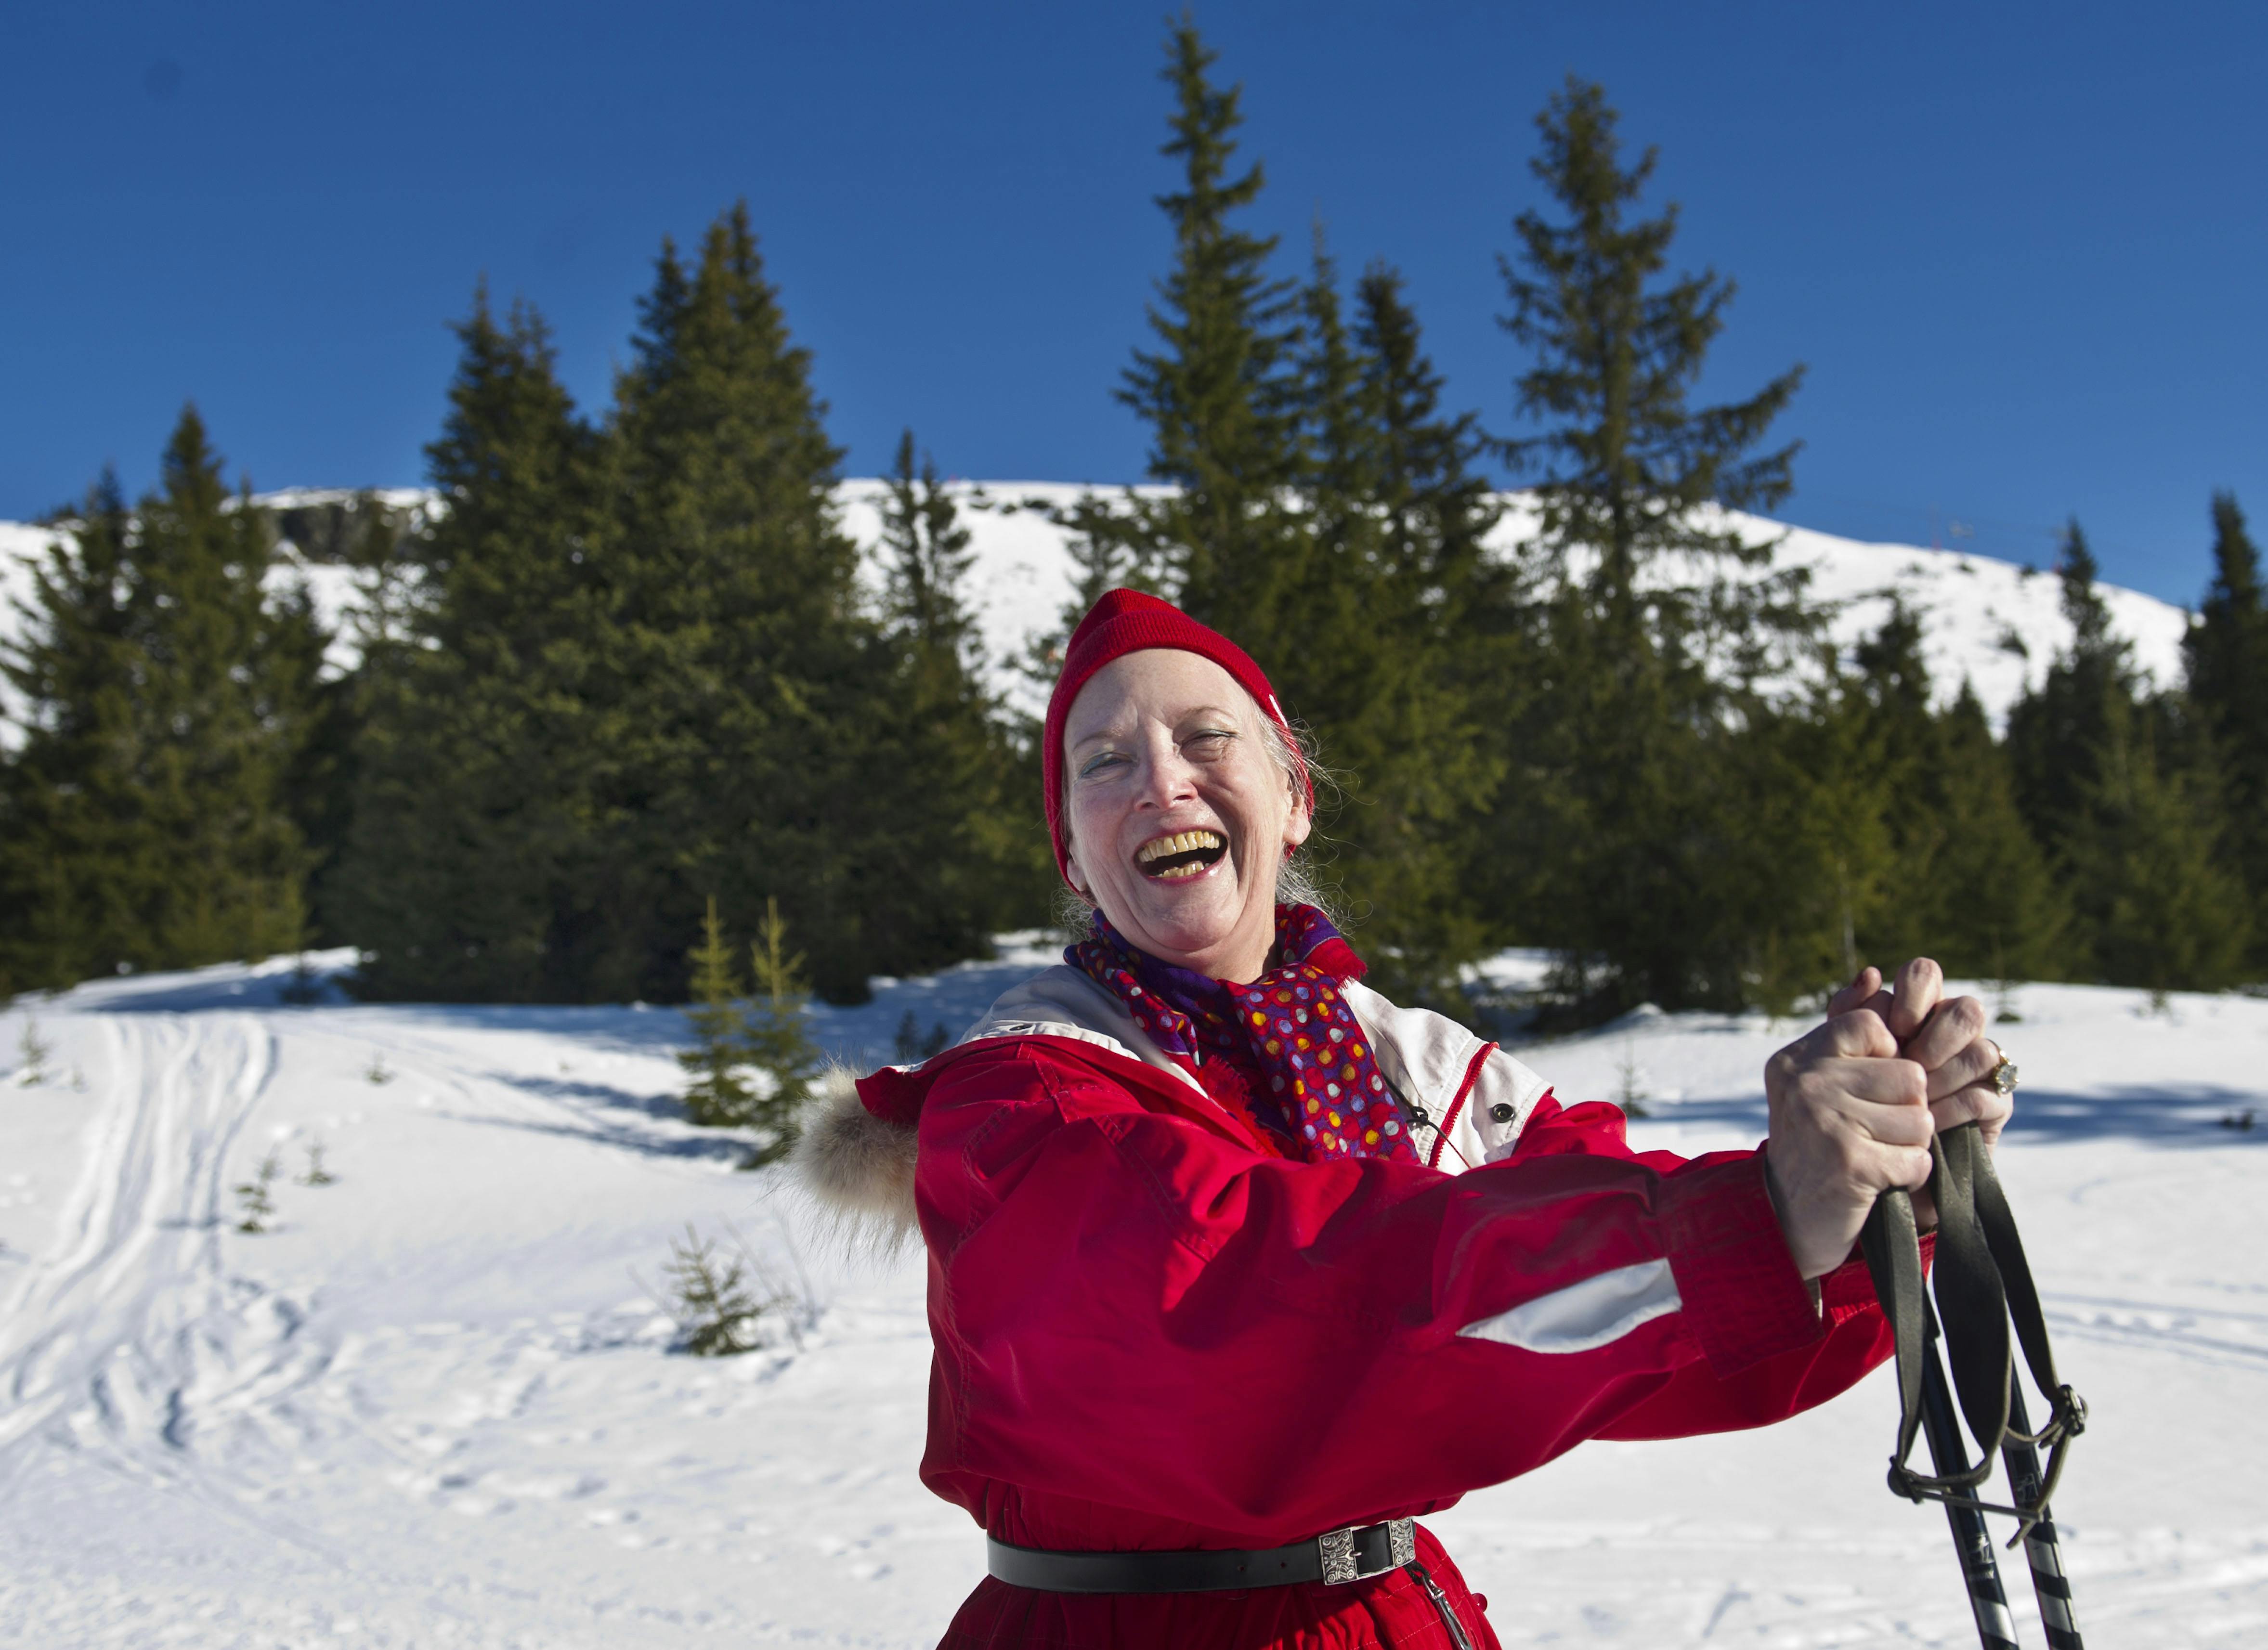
(859, 1168)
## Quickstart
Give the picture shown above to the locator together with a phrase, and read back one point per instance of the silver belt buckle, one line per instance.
(1340, 1564)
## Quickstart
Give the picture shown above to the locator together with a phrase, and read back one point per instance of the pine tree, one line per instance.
(2138, 837)
(255, 1203)
(2057, 734)
(1304, 448)
(2227, 652)
(947, 832)
(1630, 817)
(925, 548)
(477, 865)
(1625, 465)
(146, 816)
(1375, 643)
(777, 1041)
(1438, 509)
(1220, 396)
(2000, 913)
(2170, 913)
(710, 1297)
(326, 777)
(744, 651)
(1965, 881)
(645, 671)
(717, 1095)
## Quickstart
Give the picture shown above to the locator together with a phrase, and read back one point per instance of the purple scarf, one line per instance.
(1319, 1085)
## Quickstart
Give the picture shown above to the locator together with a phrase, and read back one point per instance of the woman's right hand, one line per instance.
(1849, 1119)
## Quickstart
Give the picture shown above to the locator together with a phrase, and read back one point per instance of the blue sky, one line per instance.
(2021, 248)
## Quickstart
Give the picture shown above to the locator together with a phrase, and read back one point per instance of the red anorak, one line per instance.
(1151, 1335)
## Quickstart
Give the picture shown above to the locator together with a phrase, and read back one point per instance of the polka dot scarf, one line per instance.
(1318, 1087)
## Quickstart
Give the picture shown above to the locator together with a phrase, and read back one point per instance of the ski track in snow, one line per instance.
(133, 1328)
(434, 1406)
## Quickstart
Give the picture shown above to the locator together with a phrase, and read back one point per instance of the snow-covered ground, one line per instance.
(433, 1405)
(1989, 622)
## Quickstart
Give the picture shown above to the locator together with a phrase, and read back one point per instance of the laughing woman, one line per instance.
(1236, 1268)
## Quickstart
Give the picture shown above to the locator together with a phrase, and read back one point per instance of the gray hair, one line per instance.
(1294, 750)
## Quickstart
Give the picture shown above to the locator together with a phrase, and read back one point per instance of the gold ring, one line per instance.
(2004, 1075)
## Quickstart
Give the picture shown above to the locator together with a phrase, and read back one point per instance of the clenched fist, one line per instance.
(1855, 1104)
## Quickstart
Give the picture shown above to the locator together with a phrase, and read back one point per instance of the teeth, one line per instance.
(1179, 843)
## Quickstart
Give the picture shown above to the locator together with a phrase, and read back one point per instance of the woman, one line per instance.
(1212, 1323)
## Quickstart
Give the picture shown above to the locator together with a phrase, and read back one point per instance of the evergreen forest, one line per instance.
(625, 691)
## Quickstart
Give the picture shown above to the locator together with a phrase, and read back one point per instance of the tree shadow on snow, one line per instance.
(569, 1091)
(613, 1028)
(596, 1131)
(176, 995)
(2166, 1114)
(604, 1114)
(2179, 1114)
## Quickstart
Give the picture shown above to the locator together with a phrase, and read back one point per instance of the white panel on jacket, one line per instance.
(1503, 1100)
(1586, 1314)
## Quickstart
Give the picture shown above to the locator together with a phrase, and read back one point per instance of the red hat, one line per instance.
(1128, 622)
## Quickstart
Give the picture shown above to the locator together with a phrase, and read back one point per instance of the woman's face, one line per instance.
(1179, 818)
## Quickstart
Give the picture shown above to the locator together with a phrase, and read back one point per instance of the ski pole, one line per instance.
(2050, 1585)
(1972, 1542)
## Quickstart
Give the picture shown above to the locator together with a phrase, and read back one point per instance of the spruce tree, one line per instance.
(1964, 880)
(2169, 912)
(366, 537)
(2000, 912)
(950, 832)
(1436, 507)
(744, 652)
(642, 669)
(717, 1095)
(2058, 732)
(2139, 837)
(777, 1041)
(2227, 652)
(1220, 395)
(478, 864)
(73, 668)
(1630, 819)
(1373, 643)
(1625, 467)
(146, 817)
(1303, 448)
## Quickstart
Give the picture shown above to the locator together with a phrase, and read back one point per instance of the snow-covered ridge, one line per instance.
(1989, 622)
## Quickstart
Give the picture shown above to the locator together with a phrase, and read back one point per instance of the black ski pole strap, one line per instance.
(1892, 1247)
(2000, 1228)
(1982, 1282)
(1893, 1252)
(1971, 1303)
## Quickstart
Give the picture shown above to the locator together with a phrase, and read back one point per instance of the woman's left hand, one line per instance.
(1945, 1037)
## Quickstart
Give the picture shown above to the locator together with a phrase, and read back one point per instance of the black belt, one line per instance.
(1353, 1554)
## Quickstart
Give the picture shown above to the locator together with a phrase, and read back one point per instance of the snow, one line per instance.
(433, 1404)
(1973, 609)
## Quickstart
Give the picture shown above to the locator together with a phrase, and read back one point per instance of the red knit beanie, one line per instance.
(1128, 622)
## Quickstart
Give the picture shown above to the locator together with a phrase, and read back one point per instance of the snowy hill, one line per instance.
(433, 1405)
(1989, 622)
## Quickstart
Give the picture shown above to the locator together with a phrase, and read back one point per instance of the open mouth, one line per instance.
(1183, 854)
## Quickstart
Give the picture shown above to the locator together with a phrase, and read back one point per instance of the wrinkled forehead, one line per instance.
(1156, 685)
